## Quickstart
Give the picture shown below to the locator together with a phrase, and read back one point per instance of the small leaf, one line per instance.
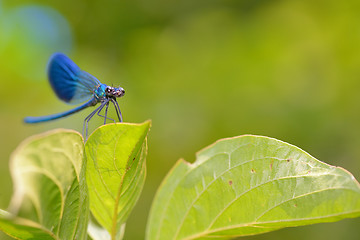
(250, 185)
(49, 179)
(116, 172)
(22, 229)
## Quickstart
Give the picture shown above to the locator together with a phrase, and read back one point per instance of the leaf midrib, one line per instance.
(137, 148)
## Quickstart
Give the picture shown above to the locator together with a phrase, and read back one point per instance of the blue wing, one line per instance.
(69, 82)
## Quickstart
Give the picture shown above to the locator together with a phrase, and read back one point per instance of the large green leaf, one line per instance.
(49, 179)
(249, 185)
(116, 172)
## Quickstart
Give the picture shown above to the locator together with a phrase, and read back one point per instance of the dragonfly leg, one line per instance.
(117, 108)
(88, 118)
(85, 126)
(106, 109)
(107, 106)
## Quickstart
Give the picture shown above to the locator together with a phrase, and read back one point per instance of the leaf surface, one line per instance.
(49, 182)
(249, 185)
(116, 171)
(22, 229)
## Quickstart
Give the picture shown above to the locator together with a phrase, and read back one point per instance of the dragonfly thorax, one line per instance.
(105, 91)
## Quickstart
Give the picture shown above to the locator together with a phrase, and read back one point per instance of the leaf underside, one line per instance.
(49, 185)
(249, 185)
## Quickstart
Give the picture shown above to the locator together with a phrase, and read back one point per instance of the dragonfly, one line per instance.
(74, 86)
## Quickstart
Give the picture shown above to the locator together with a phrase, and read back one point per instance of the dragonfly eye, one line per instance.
(119, 92)
(109, 90)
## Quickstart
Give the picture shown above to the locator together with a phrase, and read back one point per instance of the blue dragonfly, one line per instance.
(73, 86)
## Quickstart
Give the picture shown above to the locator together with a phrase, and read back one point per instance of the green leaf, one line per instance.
(250, 185)
(116, 171)
(23, 229)
(49, 179)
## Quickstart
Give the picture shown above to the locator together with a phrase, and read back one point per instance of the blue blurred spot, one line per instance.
(44, 26)
(29, 34)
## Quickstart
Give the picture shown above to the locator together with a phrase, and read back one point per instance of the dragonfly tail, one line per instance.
(91, 102)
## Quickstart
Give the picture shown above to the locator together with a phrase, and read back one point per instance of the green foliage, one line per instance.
(51, 189)
(239, 186)
(48, 172)
(23, 229)
(249, 185)
(116, 172)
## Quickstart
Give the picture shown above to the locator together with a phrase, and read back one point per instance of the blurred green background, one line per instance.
(201, 70)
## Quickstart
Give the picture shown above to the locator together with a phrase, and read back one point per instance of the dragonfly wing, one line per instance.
(69, 82)
(86, 83)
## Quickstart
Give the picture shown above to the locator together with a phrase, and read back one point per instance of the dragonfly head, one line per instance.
(114, 92)
(119, 92)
